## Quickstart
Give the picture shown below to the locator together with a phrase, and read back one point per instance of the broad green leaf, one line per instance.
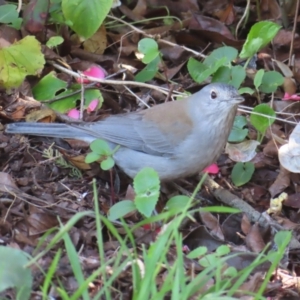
(8, 13)
(149, 71)
(260, 35)
(210, 260)
(261, 123)
(242, 173)
(230, 272)
(86, 16)
(101, 147)
(281, 237)
(48, 86)
(149, 48)
(230, 75)
(146, 186)
(199, 71)
(19, 60)
(258, 78)
(196, 253)
(107, 164)
(229, 53)
(271, 81)
(121, 209)
(92, 157)
(54, 41)
(13, 274)
(69, 102)
(222, 250)
(246, 90)
(238, 132)
(177, 202)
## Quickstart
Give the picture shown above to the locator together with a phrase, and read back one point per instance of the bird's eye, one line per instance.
(213, 95)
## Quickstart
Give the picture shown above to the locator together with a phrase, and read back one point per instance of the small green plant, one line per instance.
(147, 187)
(151, 57)
(51, 87)
(101, 151)
(9, 15)
(13, 274)
(16, 66)
(242, 173)
(238, 132)
(218, 63)
(263, 121)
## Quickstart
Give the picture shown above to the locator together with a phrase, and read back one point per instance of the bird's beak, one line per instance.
(237, 99)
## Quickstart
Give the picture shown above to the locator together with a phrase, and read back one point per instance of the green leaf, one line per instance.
(196, 253)
(54, 41)
(177, 202)
(238, 132)
(13, 274)
(121, 209)
(8, 13)
(230, 272)
(281, 237)
(246, 90)
(230, 75)
(107, 164)
(92, 157)
(146, 186)
(149, 48)
(86, 16)
(261, 123)
(271, 81)
(149, 71)
(229, 53)
(210, 260)
(260, 35)
(54, 87)
(223, 250)
(101, 147)
(48, 86)
(258, 78)
(200, 71)
(19, 60)
(242, 173)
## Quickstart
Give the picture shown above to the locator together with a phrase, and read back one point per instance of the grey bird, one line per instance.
(177, 139)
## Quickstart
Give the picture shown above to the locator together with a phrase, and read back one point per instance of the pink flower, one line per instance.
(212, 169)
(93, 71)
(287, 96)
(73, 113)
(93, 105)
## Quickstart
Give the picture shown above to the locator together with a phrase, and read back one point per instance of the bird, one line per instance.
(177, 139)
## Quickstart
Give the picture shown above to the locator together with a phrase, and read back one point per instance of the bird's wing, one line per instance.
(153, 131)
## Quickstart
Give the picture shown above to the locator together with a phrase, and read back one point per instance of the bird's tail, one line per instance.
(56, 130)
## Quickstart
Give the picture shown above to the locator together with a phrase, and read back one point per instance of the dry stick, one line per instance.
(249, 110)
(158, 40)
(116, 82)
(293, 33)
(232, 200)
(242, 18)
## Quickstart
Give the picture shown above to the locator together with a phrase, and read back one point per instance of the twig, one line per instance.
(114, 82)
(196, 53)
(242, 19)
(249, 110)
(293, 32)
(232, 200)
